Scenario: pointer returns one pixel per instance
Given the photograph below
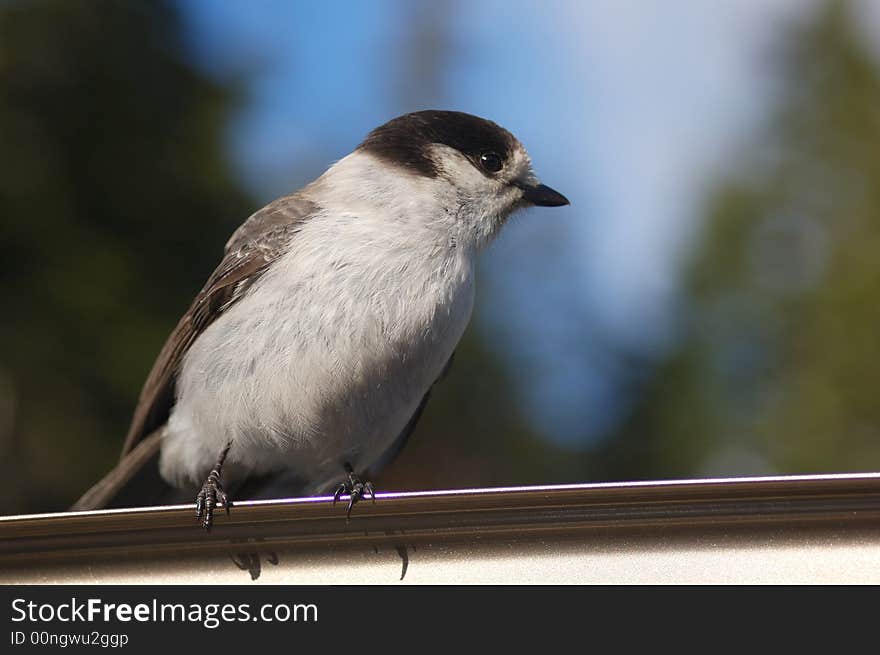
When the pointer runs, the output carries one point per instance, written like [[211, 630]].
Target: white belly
[[324, 361]]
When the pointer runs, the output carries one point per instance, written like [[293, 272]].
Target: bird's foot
[[212, 495], [356, 489]]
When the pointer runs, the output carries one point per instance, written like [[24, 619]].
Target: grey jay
[[305, 361]]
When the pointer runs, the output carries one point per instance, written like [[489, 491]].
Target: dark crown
[[405, 140]]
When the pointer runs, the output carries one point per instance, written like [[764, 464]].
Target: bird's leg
[[212, 494], [355, 488]]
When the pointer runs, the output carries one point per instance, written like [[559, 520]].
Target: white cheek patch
[[479, 202], [462, 173], [521, 166], [459, 170]]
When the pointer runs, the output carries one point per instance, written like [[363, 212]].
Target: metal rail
[[561, 533]]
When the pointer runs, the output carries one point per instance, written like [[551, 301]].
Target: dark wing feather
[[260, 240], [410, 427]]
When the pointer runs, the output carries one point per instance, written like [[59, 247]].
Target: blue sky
[[629, 108]]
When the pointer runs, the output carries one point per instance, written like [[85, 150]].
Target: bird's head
[[477, 171]]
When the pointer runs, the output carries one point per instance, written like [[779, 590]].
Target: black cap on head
[[405, 141]]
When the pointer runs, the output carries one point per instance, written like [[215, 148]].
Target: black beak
[[542, 195]]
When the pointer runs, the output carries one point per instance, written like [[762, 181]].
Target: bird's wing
[[261, 239], [408, 429]]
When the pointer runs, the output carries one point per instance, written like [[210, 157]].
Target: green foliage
[[779, 366], [116, 199]]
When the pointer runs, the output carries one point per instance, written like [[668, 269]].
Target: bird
[[304, 363]]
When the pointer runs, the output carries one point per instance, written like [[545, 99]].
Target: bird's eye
[[491, 162]]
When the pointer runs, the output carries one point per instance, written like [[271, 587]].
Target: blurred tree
[[116, 199], [779, 364]]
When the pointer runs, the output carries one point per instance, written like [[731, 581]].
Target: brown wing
[[410, 427], [260, 240]]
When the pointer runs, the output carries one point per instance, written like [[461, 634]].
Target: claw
[[200, 504], [223, 500], [210, 497], [211, 494], [356, 490], [339, 491]]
